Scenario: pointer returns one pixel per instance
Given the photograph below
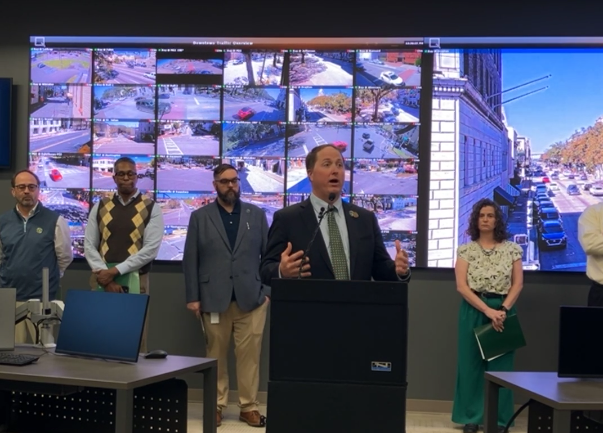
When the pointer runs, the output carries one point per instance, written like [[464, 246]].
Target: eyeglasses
[[31, 187], [126, 173], [225, 182]]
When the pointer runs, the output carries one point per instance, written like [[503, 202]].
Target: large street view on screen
[[532, 144], [565, 146]]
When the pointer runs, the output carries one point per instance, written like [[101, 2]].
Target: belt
[[489, 295]]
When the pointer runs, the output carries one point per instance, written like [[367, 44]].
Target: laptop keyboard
[[17, 358]]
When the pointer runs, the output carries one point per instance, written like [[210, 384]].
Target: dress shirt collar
[[317, 203]]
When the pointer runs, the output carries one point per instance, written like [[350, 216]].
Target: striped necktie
[[338, 258]]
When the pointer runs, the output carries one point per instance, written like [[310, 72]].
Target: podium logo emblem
[[381, 366]]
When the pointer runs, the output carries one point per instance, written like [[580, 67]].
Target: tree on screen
[[249, 65], [339, 102], [248, 92], [269, 67], [245, 134], [584, 148], [176, 127], [302, 68], [554, 153], [372, 98]]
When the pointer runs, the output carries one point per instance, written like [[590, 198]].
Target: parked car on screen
[[552, 235], [573, 189], [246, 113], [389, 77], [55, 175], [341, 145]]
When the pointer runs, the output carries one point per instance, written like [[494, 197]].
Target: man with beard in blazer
[[224, 245], [349, 244]]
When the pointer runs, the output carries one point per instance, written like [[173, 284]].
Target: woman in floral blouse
[[489, 277]]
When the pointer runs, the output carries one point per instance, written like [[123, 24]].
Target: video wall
[[428, 126], [178, 110]]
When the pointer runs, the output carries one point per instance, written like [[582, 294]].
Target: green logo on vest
[[39, 230]]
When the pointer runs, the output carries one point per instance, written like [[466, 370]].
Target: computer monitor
[[580, 352], [103, 325], [8, 304]]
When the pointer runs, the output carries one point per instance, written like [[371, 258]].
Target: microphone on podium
[[321, 216], [331, 200]]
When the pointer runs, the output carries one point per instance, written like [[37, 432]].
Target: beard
[[229, 197]]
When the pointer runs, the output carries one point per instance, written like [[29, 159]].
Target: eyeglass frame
[[30, 186], [129, 173], [226, 182]]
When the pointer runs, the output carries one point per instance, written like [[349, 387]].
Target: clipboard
[[493, 344]]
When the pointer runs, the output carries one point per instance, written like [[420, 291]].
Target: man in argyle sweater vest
[[122, 228], [123, 234]]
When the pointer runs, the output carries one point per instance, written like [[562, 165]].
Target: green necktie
[[338, 259]]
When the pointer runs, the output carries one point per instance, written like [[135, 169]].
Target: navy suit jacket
[[295, 224]]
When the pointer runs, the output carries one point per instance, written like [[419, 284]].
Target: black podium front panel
[[339, 332], [298, 407]]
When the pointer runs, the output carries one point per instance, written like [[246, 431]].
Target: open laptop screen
[[580, 353], [102, 325]]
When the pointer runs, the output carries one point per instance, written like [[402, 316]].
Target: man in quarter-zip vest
[[123, 235], [32, 237]]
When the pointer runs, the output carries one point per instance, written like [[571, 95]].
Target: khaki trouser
[[25, 332], [248, 330], [144, 290]]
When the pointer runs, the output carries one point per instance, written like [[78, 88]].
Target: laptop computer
[[104, 325], [8, 312]]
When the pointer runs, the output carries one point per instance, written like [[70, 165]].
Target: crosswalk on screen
[[180, 106]]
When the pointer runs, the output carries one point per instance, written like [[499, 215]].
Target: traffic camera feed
[[179, 110]]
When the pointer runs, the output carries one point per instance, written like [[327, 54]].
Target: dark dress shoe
[[470, 428]]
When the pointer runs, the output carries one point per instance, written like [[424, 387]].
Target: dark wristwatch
[[503, 308]]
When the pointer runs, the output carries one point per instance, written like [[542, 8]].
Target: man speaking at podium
[[347, 246]]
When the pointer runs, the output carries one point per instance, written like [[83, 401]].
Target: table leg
[[4, 409], [124, 411], [491, 407], [210, 399], [562, 420]]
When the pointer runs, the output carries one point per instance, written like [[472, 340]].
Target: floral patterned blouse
[[490, 270]]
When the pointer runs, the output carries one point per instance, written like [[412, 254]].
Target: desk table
[[563, 395], [67, 371]]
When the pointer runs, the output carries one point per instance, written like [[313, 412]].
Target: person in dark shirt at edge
[[349, 245]]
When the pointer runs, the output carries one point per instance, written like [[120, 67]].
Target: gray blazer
[[212, 269]]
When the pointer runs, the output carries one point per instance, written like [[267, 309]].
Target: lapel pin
[[353, 214]]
